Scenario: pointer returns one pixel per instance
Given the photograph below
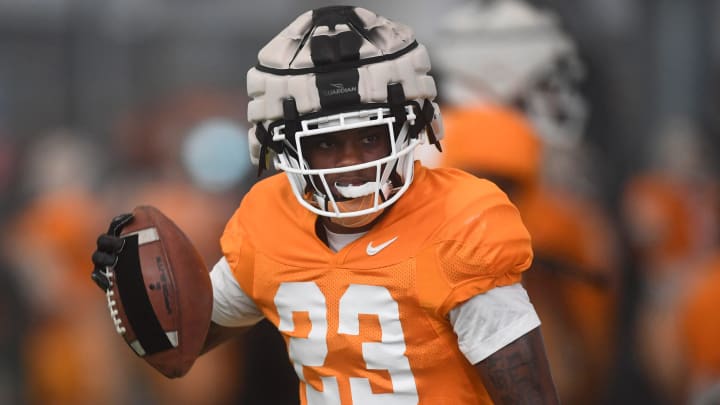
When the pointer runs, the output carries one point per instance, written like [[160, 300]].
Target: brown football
[[160, 297]]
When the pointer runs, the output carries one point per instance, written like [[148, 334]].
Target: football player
[[514, 114], [390, 282], [514, 53]]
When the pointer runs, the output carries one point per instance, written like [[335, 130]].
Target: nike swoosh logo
[[373, 250]]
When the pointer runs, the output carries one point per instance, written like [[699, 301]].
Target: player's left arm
[[499, 332], [519, 373], [487, 248]]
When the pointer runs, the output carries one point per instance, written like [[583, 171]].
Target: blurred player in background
[[514, 115], [47, 243], [699, 331], [671, 211], [192, 144], [391, 283], [69, 193]]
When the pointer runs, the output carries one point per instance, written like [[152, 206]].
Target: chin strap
[[356, 222], [357, 204]]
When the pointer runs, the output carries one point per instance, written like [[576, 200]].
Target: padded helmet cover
[[334, 59]]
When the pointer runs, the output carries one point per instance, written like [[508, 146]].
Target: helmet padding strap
[[396, 101], [425, 119], [265, 139]]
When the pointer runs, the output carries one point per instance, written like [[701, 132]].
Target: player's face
[[347, 148]]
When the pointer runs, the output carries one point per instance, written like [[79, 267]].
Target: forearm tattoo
[[519, 373]]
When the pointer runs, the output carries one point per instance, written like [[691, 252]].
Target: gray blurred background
[[79, 63]]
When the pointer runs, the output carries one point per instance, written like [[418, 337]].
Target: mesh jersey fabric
[[453, 236]]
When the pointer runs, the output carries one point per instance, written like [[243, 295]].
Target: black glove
[[108, 246]]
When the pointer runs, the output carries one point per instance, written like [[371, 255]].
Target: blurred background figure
[[671, 212], [47, 242], [574, 283], [699, 329], [186, 154], [513, 113], [70, 193]]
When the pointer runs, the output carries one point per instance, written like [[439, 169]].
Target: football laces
[[112, 303]]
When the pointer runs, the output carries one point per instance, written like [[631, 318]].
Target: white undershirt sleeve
[[488, 322], [231, 306]]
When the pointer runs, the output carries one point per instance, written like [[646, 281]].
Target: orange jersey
[[700, 321], [368, 324]]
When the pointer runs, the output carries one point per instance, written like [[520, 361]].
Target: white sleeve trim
[[231, 306], [488, 322]]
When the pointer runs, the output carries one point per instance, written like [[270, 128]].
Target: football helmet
[[510, 52], [335, 69], [492, 139]]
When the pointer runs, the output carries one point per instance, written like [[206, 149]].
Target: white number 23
[[388, 354]]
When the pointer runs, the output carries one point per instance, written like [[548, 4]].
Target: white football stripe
[[146, 235]]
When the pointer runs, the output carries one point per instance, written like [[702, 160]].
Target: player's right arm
[[234, 312], [218, 334]]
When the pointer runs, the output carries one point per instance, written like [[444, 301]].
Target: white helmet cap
[[333, 69]]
